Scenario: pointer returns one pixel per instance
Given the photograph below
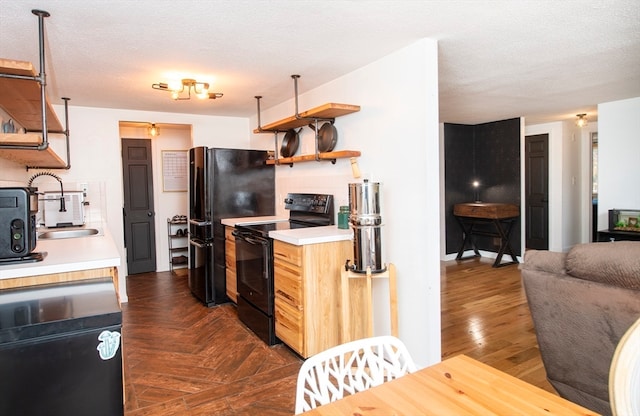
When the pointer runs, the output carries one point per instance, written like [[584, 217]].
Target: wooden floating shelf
[[341, 154], [29, 157], [326, 111], [20, 98]]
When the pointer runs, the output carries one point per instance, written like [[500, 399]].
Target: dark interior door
[[537, 191], [139, 215]]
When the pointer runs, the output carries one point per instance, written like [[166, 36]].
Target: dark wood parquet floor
[[181, 358], [184, 359]]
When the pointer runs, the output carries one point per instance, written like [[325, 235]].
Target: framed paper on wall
[[175, 170]]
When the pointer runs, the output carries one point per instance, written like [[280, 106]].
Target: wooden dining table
[[454, 387]]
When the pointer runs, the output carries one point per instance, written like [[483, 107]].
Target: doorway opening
[[138, 210], [168, 195], [537, 192]]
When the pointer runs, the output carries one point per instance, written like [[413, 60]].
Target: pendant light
[[582, 120], [153, 130]]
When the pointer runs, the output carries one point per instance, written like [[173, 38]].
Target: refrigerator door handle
[[199, 223]]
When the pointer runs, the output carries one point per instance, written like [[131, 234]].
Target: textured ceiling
[[545, 60]]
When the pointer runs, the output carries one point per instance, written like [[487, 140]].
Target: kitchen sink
[[73, 233]]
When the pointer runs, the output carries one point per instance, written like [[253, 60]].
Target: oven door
[[254, 268]]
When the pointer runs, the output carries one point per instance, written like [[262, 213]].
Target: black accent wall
[[490, 154]]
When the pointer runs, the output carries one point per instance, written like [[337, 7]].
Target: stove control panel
[[317, 203]]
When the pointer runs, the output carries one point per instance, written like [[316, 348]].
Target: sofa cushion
[[616, 263]]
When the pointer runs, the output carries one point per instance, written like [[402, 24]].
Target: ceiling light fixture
[[183, 89], [153, 130], [582, 120]]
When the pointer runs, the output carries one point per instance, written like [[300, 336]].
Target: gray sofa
[[582, 302]]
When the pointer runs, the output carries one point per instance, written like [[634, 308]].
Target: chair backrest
[[349, 368], [624, 377]]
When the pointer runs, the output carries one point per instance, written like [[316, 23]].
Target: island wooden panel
[[231, 274], [307, 294]]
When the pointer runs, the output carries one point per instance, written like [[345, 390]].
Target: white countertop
[[312, 235], [232, 222], [67, 255]]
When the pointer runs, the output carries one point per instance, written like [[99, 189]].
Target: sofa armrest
[[546, 261]]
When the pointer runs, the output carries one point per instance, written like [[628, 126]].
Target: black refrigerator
[[223, 183], [60, 350]]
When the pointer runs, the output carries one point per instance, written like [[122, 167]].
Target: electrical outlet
[[85, 188]]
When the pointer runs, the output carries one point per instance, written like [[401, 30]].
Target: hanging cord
[[53, 175]]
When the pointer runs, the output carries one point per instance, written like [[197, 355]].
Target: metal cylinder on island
[[366, 221]]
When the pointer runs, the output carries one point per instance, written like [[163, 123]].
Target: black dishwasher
[[60, 350]]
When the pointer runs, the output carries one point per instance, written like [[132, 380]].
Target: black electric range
[[254, 259]]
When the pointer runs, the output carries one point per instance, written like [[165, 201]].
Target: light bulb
[[203, 93], [154, 131], [175, 85]]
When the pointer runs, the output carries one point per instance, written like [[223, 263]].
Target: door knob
[[149, 214]]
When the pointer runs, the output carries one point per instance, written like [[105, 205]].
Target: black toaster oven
[[18, 208]]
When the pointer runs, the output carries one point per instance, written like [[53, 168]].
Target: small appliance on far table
[[254, 259]]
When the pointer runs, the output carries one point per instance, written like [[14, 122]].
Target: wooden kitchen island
[[471, 217], [307, 282]]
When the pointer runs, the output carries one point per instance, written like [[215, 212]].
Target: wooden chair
[[349, 368], [624, 377]]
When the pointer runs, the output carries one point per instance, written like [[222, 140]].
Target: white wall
[[618, 157], [571, 185], [397, 132]]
